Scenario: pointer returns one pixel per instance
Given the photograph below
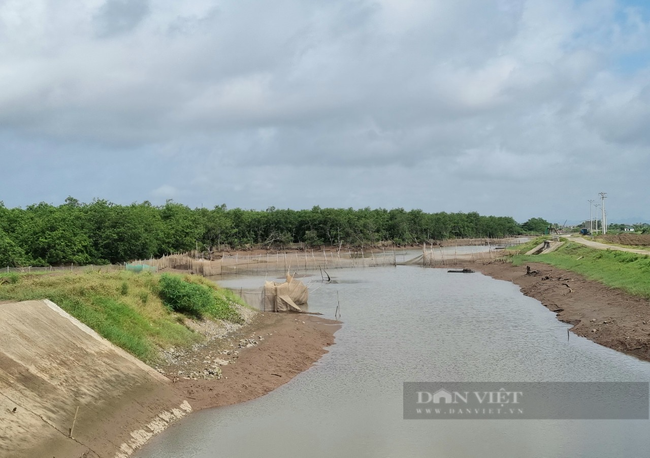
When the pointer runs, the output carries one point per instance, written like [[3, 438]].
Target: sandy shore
[[607, 316]]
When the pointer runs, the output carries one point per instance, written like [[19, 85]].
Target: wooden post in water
[[337, 313], [490, 249]]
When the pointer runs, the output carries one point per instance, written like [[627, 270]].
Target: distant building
[[628, 229]]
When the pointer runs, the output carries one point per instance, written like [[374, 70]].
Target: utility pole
[[603, 218], [591, 220], [596, 218]]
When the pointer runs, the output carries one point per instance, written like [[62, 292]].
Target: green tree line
[[103, 232]]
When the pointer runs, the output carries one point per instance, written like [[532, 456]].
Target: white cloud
[[481, 91], [167, 192]]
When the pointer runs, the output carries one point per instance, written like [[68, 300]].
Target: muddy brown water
[[413, 324]]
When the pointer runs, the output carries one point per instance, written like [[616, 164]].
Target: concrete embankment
[[58, 375]]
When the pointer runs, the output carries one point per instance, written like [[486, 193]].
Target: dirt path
[[604, 246], [607, 316]]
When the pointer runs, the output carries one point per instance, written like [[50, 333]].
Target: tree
[[121, 234], [181, 229], [536, 225], [101, 232], [11, 255], [55, 236]]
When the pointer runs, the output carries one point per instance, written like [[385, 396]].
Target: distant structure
[[603, 218]]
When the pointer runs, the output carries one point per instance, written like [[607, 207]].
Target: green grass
[[123, 307], [617, 269]]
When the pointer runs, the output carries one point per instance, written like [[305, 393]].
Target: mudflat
[[260, 357], [607, 316]]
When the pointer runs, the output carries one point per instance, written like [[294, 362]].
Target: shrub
[[11, 278], [183, 297], [222, 308]]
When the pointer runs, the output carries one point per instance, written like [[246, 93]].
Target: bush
[[11, 278], [183, 297], [222, 308]]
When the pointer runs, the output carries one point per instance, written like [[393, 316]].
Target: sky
[[523, 108]]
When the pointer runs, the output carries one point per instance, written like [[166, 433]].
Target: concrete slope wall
[[52, 367]]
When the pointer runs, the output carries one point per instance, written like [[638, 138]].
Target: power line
[[603, 218], [591, 219]]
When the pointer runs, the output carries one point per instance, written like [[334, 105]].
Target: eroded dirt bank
[[607, 316], [243, 365], [259, 357]]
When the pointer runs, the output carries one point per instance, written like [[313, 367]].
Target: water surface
[[413, 324]]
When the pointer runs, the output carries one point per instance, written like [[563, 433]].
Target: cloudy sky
[[508, 107]]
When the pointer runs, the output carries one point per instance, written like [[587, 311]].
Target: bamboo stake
[[74, 421]]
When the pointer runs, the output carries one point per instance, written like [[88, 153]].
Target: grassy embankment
[[139, 312], [617, 269]]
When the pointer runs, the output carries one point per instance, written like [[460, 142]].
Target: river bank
[[250, 362], [253, 361], [607, 316], [67, 392]]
